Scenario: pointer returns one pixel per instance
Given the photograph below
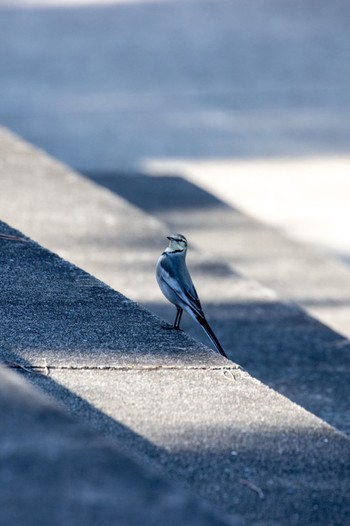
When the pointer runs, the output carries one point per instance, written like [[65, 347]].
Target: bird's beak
[[169, 237]]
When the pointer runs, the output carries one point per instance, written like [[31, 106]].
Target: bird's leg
[[178, 318], [176, 325]]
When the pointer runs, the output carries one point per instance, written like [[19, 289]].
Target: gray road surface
[[166, 400], [104, 87]]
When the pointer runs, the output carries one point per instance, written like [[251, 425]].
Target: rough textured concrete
[[275, 341], [55, 472], [68, 306], [249, 451], [237, 443]]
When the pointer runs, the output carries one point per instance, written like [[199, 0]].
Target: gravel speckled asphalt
[[54, 471], [167, 400]]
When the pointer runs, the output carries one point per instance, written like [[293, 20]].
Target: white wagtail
[[176, 284]]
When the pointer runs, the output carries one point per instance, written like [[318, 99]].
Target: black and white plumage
[[176, 284]]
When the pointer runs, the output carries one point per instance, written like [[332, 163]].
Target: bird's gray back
[[175, 280]]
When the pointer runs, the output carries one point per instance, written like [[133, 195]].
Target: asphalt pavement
[[162, 398], [171, 403], [55, 471], [274, 340]]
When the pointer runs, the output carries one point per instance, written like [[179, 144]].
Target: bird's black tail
[[207, 329]]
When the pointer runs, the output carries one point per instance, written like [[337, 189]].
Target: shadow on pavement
[[274, 341], [286, 466], [158, 194], [257, 475], [284, 348]]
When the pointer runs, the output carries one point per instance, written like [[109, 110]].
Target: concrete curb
[[250, 452], [55, 472]]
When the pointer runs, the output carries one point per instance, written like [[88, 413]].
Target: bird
[[177, 286]]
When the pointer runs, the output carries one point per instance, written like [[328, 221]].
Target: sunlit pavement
[[305, 198]]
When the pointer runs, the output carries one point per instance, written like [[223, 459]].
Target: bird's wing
[[179, 280]]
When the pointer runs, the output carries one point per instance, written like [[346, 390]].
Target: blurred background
[[172, 104]]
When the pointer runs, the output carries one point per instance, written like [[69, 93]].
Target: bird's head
[[177, 243]]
